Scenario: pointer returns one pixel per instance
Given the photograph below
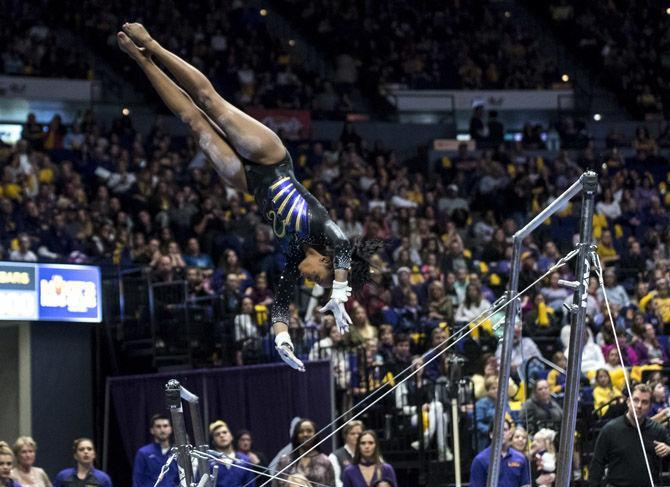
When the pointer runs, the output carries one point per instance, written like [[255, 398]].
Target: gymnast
[[250, 157]]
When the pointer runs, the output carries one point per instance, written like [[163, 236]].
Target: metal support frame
[[587, 183], [173, 398], [174, 394], [578, 312]]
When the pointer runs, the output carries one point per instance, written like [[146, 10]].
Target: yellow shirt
[[645, 300], [603, 395], [12, 191], [480, 388], [663, 308], [606, 252], [46, 175], [552, 377]]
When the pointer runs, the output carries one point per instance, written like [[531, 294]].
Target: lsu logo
[[278, 225], [76, 296]]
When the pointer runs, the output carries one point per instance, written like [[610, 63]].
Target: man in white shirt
[[523, 348], [23, 253]]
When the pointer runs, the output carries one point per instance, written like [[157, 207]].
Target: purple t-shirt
[[352, 476]]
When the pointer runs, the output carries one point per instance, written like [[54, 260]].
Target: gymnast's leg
[[226, 162], [250, 138]]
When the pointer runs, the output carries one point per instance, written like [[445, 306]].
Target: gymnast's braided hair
[[362, 251]]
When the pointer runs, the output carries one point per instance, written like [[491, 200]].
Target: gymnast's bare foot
[[129, 47], [138, 34]]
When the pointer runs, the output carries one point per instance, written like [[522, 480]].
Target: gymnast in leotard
[[250, 157]]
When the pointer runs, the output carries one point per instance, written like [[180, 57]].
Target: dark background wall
[[9, 382], [62, 390]]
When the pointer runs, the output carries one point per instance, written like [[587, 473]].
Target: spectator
[[259, 292], [402, 355], [618, 454], [326, 347], [232, 265], [194, 257], [315, 466], [519, 439], [361, 329], [523, 349], [174, 252], [197, 286], [25, 472], [367, 464], [344, 456], [439, 305], [6, 465], [540, 410], [514, 468], [23, 252], [604, 392], [616, 294], [607, 252], [490, 368], [659, 402], [556, 379], [230, 296], [386, 342], [541, 319], [592, 355], [84, 472], [400, 292], [473, 307], [613, 366], [661, 302], [150, 458], [244, 446], [164, 272], [246, 334], [349, 225], [286, 449], [554, 294], [543, 453], [451, 201], [438, 342], [222, 441], [485, 411], [647, 346], [608, 206]]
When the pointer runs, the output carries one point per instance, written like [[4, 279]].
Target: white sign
[[29, 88], [501, 100], [18, 305]]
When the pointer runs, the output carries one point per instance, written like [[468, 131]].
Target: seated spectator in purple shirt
[[367, 466], [647, 347], [84, 473]]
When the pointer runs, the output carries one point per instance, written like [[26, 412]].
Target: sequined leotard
[[298, 220]]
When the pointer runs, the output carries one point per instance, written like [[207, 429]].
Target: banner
[[50, 292], [293, 124], [30, 88], [501, 100]]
